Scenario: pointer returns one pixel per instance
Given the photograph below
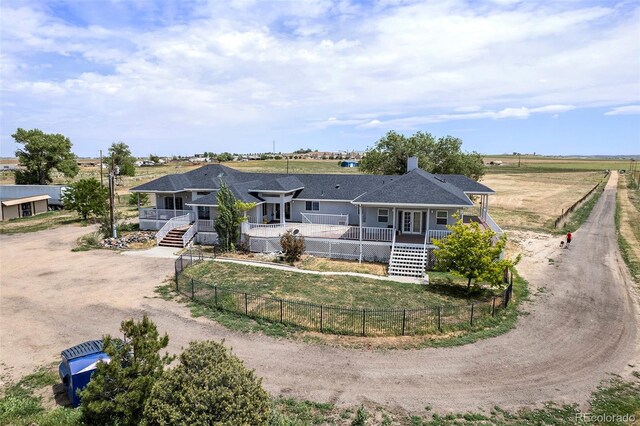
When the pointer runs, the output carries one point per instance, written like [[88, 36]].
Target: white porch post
[[360, 231], [174, 204], [486, 206], [282, 209], [426, 230], [395, 222]]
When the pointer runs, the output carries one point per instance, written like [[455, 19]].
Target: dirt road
[[581, 326]]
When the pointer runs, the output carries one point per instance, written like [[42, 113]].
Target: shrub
[[118, 390], [292, 246], [210, 386]]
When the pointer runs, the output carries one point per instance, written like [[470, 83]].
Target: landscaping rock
[[124, 241]]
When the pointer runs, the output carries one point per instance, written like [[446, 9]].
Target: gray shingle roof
[[415, 187], [465, 183]]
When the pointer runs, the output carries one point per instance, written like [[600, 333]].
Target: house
[[391, 218]]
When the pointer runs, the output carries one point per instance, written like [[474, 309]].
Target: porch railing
[[206, 225], [172, 223], [369, 233], [325, 219], [493, 225], [164, 214], [188, 235], [322, 231], [438, 234]]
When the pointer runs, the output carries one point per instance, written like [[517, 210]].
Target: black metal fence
[[341, 320]]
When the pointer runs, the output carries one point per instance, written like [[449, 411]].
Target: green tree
[[444, 155], [230, 216], [133, 199], [118, 390], [224, 156], [473, 253], [154, 158], [43, 152], [86, 196], [121, 155], [210, 386]]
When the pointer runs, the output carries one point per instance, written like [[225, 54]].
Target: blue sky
[[177, 77]]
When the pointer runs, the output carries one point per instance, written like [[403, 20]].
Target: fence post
[[363, 321], [439, 321], [493, 306], [215, 295], [246, 305], [281, 311], [175, 267], [192, 290], [404, 319], [472, 315], [321, 315]]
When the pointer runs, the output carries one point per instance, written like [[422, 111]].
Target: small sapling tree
[[472, 253], [231, 213], [86, 196]]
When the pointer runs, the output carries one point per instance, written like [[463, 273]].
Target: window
[[383, 215], [168, 203], [312, 206], [203, 213], [442, 217]]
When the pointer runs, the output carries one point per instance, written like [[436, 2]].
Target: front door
[[287, 211], [411, 222]]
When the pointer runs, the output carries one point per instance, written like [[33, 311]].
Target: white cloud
[[624, 110], [290, 64]]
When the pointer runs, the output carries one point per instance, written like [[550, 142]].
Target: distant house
[[392, 218]]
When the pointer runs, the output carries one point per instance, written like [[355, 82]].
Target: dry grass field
[[628, 221], [534, 200]]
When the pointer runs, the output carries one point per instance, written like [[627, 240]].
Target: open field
[[534, 200], [628, 223], [529, 163]]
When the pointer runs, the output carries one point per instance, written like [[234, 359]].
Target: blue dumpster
[[77, 366]]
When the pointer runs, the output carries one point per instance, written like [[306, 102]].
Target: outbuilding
[[13, 208]]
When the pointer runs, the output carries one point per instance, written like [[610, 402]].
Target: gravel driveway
[[581, 327]]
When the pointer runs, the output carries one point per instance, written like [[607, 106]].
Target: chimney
[[412, 163]]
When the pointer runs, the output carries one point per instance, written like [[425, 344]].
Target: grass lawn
[[344, 291]]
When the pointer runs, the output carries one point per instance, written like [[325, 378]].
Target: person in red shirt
[[568, 239]]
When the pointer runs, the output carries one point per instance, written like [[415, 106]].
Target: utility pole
[[518, 160], [287, 165], [111, 199], [101, 183]]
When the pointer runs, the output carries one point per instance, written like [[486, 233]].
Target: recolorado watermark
[[605, 418]]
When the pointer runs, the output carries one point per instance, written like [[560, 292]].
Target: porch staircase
[[407, 260], [174, 237]]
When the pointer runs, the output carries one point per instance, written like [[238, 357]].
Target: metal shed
[[77, 366]]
